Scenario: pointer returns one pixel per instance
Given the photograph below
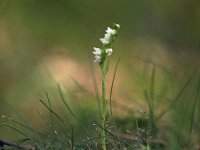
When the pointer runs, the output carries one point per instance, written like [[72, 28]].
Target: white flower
[[107, 37], [105, 40], [97, 51], [97, 59], [110, 31], [117, 25], [109, 51], [110, 34]]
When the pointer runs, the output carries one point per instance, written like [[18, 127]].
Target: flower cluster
[[101, 53]]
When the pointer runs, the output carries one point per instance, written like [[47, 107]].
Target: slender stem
[[104, 108]]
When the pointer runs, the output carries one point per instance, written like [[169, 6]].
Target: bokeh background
[[46, 42]]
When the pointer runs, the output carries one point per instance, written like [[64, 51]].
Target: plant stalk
[[104, 109]]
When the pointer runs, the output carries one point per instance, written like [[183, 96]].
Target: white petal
[[105, 41], [110, 31], [109, 51], [117, 25], [97, 51], [97, 59], [107, 36]]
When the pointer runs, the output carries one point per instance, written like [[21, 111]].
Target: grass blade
[[54, 113], [71, 112], [111, 112], [194, 107], [22, 133], [172, 104]]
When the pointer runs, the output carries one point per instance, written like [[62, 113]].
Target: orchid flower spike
[[110, 34]]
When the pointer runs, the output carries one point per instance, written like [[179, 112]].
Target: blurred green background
[[45, 42]]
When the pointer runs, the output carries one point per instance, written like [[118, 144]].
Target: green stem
[[104, 108]]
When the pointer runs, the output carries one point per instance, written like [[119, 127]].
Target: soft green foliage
[[155, 102], [173, 127]]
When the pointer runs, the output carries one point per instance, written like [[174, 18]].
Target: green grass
[[166, 117], [155, 107], [174, 127]]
